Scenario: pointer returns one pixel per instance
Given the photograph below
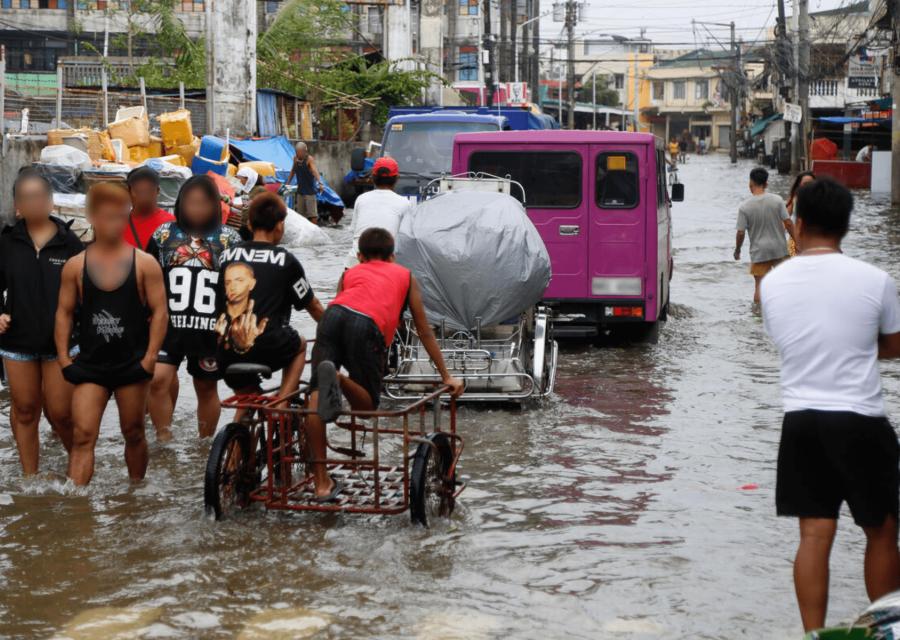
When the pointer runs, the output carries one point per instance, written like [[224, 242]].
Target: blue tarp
[[279, 151], [266, 114], [848, 120]]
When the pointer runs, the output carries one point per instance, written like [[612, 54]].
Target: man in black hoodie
[[32, 255], [189, 250]]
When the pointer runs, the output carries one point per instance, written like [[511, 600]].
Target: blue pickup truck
[[420, 139]]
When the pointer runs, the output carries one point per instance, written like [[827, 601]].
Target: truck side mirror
[[358, 159], [678, 192]]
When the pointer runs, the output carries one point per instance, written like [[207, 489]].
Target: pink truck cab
[[600, 200]]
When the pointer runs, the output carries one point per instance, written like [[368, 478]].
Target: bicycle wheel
[[225, 484], [430, 487]]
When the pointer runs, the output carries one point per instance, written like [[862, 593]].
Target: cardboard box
[[175, 159], [134, 132], [187, 151], [139, 153]]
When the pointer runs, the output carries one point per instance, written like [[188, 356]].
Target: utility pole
[[635, 90], [513, 31], [488, 46], [783, 62], [895, 94], [503, 44], [536, 51], [571, 18], [735, 95], [803, 80]]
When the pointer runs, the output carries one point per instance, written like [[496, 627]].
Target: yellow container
[[186, 151], [156, 147], [175, 159], [139, 153], [231, 171], [176, 128], [135, 132], [106, 149], [263, 168]]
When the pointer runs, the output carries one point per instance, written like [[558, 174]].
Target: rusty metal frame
[[296, 494]]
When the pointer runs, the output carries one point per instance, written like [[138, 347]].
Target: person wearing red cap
[[380, 208]]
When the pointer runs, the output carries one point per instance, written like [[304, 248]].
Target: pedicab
[[413, 451], [482, 269]]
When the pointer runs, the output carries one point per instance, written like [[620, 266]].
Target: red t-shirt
[[376, 289], [144, 226]]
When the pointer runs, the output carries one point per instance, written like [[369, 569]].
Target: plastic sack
[[64, 155], [475, 255], [62, 178], [300, 232]]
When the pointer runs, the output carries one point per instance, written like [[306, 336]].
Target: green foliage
[[302, 53], [605, 96]]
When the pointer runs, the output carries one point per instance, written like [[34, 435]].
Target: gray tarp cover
[[475, 254]]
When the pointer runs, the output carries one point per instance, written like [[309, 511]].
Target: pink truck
[[601, 202]]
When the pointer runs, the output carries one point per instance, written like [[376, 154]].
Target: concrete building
[[687, 94]]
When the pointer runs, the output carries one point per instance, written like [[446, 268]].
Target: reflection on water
[[614, 509]]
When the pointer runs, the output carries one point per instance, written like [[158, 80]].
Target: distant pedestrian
[[865, 154], [380, 208], [765, 219], [831, 318], [309, 183], [146, 215], [802, 179]]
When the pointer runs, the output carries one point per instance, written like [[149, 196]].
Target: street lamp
[[516, 48]]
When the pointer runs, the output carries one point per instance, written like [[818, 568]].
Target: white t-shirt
[[824, 313], [377, 208], [864, 154]]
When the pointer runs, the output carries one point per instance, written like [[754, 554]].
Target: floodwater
[[613, 510]]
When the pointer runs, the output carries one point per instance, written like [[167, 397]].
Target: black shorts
[[353, 341], [201, 359], [111, 377], [827, 457], [275, 348]]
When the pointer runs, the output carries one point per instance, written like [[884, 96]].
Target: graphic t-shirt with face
[[190, 265], [260, 283]]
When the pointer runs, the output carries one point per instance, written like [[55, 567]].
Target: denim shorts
[[34, 357]]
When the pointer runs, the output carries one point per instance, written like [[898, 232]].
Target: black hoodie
[[30, 281]]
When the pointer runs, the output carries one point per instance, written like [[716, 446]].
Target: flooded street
[[614, 509]]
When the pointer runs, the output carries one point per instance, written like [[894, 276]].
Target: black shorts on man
[[827, 458], [351, 340]]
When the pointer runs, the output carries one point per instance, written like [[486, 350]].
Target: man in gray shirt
[[764, 216]]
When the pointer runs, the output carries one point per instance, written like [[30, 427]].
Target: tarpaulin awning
[[759, 126], [279, 151], [851, 119]]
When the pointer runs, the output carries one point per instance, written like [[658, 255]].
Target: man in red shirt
[[146, 216]]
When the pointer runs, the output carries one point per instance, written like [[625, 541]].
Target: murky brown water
[[613, 510]]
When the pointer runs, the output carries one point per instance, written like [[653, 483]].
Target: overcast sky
[[668, 22]]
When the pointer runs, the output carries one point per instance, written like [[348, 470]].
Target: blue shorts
[[34, 357]]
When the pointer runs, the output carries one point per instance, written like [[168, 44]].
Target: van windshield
[[427, 147]]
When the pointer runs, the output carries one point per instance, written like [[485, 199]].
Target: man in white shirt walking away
[[380, 208], [764, 217], [831, 318]]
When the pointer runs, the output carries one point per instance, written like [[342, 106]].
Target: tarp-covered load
[[475, 255]]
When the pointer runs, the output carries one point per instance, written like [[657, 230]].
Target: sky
[[668, 22]]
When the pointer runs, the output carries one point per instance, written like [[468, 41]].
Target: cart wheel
[[225, 485], [430, 488]]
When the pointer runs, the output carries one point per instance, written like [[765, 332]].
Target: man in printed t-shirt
[[260, 284], [189, 251]]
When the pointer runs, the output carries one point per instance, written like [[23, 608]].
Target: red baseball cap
[[385, 166]]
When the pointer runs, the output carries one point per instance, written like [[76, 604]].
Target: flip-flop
[[336, 488], [329, 392]]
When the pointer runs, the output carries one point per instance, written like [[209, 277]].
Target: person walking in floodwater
[[765, 219], [802, 179], [121, 301], [831, 318], [309, 183], [32, 255]]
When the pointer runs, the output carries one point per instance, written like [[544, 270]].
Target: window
[[619, 81], [468, 65], [678, 90], [551, 179], [373, 20], [659, 90], [701, 89], [617, 180], [468, 7]]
